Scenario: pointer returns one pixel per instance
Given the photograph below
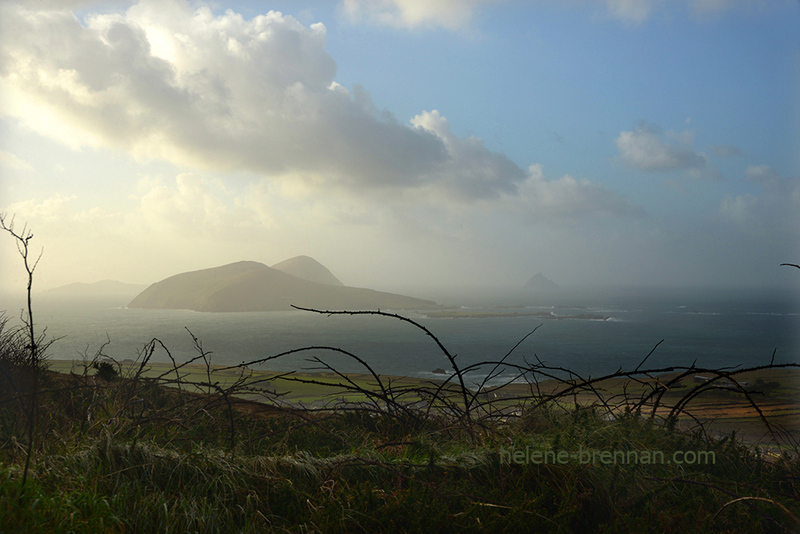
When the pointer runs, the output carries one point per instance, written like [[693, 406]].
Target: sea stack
[[540, 282]]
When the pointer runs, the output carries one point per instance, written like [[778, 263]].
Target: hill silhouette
[[252, 286], [97, 289], [308, 269]]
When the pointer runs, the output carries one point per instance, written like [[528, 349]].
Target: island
[[249, 286]]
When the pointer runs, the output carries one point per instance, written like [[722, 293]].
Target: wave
[[694, 312], [772, 314]]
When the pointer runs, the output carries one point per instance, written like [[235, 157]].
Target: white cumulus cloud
[[221, 92]]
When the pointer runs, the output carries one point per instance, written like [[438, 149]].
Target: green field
[[199, 448], [723, 411]]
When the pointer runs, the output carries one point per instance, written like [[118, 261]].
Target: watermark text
[[537, 456]]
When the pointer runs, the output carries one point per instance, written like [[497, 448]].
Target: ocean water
[[590, 333]]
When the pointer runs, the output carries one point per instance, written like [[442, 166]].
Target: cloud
[[470, 170], [647, 148], [737, 208], [218, 92], [636, 12], [771, 213], [190, 209], [726, 151], [705, 8], [11, 161], [450, 14], [70, 4], [221, 92], [49, 210], [458, 14], [765, 176], [566, 197], [630, 11]]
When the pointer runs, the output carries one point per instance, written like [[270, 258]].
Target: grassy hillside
[[145, 447]]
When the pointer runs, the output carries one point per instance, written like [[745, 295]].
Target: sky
[[404, 142]]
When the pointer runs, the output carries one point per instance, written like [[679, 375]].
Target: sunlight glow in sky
[[405, 142]]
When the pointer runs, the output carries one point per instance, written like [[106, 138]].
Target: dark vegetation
[[116, 447]]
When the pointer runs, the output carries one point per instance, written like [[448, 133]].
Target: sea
[[587, 331]]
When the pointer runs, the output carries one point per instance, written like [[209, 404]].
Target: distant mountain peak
[[540, 282], [307, 268]]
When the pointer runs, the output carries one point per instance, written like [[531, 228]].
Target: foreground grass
[[133, 456]]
